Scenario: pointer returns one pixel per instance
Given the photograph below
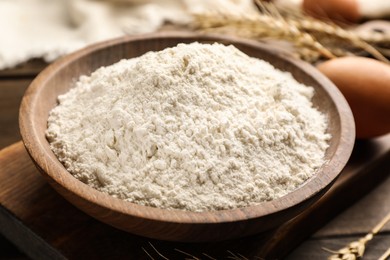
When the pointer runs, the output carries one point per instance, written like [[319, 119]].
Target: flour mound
[[195, 127]]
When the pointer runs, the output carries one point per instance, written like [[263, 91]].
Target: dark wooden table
[[361, 195]]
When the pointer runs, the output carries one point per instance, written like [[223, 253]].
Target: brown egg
[[344, 11], [365, 83]]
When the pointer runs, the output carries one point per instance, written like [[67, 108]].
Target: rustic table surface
[[35, 222]]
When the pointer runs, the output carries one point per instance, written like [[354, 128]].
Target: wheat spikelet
[[324, 29], [311, 38], [328, 30], [258, 27]]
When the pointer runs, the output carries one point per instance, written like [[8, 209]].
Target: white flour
[[195, 127]]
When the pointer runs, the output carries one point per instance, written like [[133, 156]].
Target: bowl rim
[[35, 142]]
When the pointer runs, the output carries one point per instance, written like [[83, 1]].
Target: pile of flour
[[194, 127]]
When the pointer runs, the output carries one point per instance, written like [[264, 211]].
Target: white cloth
[[49, 29]]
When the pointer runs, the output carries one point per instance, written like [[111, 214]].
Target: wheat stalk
[[375, 38], [311, 38], [326, 30], [332, 32], [355, 250], [258, 27], [385, 255]]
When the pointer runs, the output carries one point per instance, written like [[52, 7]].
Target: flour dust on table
[[195, 127]]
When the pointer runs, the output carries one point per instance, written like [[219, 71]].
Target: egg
[[335, 10], [365, 83]]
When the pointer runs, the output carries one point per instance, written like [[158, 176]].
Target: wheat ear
[[355, 250], [333, 30], [259, 26]]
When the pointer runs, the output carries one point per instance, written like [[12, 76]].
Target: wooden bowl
[[177, 225]]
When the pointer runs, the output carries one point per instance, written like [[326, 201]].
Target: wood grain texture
[[45, 226], [11, 93], [12, 87], [313, 249], [27, 69], [360, 218], [175, 224]]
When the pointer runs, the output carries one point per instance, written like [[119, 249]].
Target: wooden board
[[45, 226], [314, 248], [11, 92], [29, 69], [350, 225]]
